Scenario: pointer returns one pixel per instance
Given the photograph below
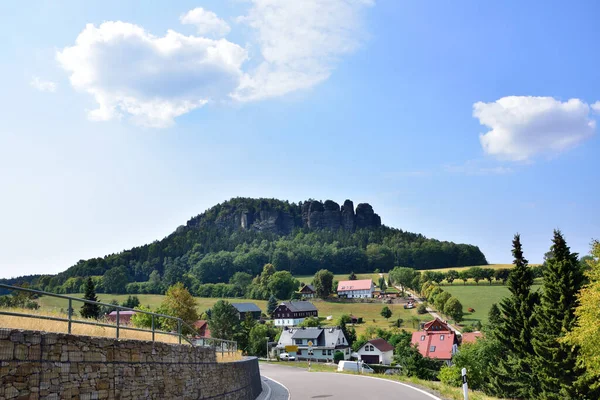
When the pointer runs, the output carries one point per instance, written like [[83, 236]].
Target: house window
[[422, 337], [328, 352], [324, 352], [441, 337], [431, 349]]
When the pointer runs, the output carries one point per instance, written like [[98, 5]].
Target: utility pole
[[267, 348], [465, 385]]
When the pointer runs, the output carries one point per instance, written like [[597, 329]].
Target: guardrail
[[216, 344]]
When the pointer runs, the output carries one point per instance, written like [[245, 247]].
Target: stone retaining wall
[[39, 365]]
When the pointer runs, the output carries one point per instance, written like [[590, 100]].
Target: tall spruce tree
[[555, 362], [90, 310], [513, 375], [271, 306]]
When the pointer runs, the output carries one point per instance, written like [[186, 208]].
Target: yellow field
[[493, 266], [35, 324]]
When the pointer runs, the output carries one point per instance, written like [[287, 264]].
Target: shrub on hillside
[[421, 309]]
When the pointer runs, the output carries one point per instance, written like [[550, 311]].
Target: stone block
[[6, 350]]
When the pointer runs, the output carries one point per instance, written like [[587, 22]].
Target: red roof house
[[124, 317], [202, 327], [356, 289], [436, 340]]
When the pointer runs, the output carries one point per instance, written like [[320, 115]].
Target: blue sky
[[466, 122]]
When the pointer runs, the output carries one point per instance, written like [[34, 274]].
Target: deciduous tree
[[323, 282]]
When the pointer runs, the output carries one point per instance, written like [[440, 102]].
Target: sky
[[464, 121]]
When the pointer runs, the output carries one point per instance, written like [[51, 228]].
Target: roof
[[434, 344], [307, 333], [200, 324], [363, 284], [246, 307], [471, 337], [299, 306], [309, 287], [321, 337], [436, 325], [122, 313], [381, 345]]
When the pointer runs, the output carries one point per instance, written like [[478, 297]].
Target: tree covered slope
[[243, 234]]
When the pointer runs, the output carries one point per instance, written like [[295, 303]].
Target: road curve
[[302, 384]]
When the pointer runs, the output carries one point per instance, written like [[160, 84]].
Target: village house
[[247, 308], [325, 342], [308, 291], [292, 313], [356, 289], [436, 340], [376, 351], [124, 317], [202, 328]]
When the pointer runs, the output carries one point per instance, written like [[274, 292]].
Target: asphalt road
[[302, 384]]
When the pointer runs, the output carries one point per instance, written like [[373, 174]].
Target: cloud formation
[[151, 79], [522, 127], [300, 43], [42, 85], [206, 22]]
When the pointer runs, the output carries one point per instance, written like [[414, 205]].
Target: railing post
[[179, 329], [117, 323], [153, 327], [70, 314]]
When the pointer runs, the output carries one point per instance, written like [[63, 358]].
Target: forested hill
[[243, 234]]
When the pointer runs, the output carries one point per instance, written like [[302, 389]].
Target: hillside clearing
[[480, 298]]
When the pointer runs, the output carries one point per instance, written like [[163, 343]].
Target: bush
[[338, 356], [422, 309], [450, 376]]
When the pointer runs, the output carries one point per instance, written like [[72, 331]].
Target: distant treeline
[[206, 252]]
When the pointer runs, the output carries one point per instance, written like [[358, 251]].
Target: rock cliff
[[258, 215]]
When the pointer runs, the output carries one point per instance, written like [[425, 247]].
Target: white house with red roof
[[376, 351], [362, 288], [436, 340]]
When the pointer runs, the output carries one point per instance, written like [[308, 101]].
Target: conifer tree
[[271, 305], [513, 373], [555, 362], [90, 310]]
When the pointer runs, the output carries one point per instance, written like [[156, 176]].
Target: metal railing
[[214, 343]]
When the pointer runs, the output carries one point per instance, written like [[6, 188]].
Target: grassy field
[[479, 297], [77, 329], [151, 300], [370, 312]]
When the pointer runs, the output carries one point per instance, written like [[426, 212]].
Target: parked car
[[409, 305], [286, 357], [354, 366]]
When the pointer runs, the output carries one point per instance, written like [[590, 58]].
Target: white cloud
[[42, 85], [206, 22], [153, 79], [525, 126], [300, 43], [596, 106]]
